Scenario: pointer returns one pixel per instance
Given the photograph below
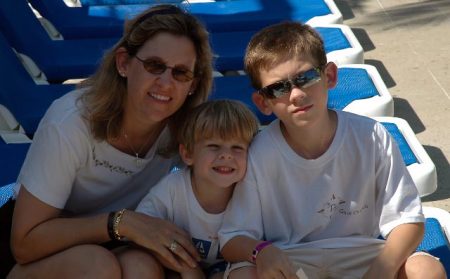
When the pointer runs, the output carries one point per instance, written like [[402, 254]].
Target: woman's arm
[[38, 231]]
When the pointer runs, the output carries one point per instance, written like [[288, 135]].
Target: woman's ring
[[173, 246]]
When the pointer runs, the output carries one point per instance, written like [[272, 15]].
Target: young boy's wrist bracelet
[[259, 248]]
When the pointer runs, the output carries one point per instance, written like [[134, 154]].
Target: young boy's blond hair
[[282, 42], [226, 119]]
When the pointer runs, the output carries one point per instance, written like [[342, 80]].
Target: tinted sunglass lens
[[276, 90], [155, 67], [182, 74], [281, 89], [307, 79]]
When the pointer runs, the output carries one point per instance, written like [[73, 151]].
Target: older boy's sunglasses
[[157, 67], [282, 87]]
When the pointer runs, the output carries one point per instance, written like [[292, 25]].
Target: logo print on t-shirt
[[331, 206], [202, 246]]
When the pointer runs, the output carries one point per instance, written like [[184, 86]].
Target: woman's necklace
[[137, 160]]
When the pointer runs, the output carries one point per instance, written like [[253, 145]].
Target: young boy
[[213, 144], [321, 185]]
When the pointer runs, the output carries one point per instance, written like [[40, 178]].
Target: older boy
[[321, 185]]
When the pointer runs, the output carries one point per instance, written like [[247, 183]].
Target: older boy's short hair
[[226, 119], [279, 43]]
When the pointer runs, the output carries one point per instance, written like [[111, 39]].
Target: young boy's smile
[[218, 162]]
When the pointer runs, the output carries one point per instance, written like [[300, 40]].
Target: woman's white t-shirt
[[68, 169]]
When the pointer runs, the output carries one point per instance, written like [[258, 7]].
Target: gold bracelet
[[117, 218]]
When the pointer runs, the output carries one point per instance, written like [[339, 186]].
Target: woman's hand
[[273, 263], [161, 237]]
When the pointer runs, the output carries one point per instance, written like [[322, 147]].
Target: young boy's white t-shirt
[[68, 169], [358, 189], [173, 199]]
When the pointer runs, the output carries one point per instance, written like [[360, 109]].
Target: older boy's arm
[[400, 244], [270, 262], [239, 249]]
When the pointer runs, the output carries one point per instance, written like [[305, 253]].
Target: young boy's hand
[[273, 263]]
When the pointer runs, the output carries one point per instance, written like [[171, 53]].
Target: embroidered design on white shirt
[[108, 165], [331, 206]]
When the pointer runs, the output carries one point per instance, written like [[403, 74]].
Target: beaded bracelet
[[114, 219], [117, 218]]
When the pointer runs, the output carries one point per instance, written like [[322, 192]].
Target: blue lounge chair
[[437, 235], [66, 59], [243, 15], [26, 100], [340, 43], [61, 59]]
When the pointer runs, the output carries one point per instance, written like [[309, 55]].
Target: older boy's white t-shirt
[[356, 190], [172, 199], [68, 169]]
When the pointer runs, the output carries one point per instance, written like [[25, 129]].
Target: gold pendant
[[138, 161]]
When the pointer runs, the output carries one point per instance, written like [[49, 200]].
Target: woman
[[98, 148]]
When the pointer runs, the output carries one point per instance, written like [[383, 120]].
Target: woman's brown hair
[[106, 90]]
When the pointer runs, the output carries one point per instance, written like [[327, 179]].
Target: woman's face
[[152, 97]]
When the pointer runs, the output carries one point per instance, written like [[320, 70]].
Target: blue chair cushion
[[353, 84], [435, 242], [6, 193], [405, 149]]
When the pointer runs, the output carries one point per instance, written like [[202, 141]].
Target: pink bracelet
[[259, 248]]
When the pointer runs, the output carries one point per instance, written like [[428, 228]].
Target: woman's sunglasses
[[282, 87], [157, 67]]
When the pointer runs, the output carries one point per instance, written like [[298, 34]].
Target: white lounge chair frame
[[424, 171]]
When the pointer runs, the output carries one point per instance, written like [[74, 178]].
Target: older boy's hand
[[273, 263]]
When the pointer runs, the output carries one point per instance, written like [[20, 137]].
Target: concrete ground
[[408, 41]]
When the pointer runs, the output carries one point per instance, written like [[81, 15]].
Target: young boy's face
[[301, 106], [217, 162]]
